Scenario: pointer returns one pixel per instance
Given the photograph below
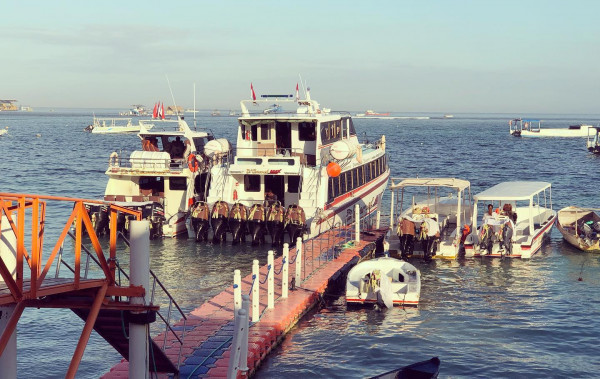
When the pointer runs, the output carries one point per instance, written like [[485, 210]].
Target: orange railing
[[34, 206]]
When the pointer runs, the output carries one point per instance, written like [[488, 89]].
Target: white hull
[[403, 278], [557, 132]]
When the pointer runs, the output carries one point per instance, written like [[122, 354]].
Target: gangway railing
[[26, 275]]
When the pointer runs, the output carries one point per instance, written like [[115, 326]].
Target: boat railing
[[138, 161]]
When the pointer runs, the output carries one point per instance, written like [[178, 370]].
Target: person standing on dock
[[406, 234]]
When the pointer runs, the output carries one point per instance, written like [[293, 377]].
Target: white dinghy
[[385, 281]]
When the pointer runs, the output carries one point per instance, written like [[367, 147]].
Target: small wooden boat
[[580, 227], [420, 370]]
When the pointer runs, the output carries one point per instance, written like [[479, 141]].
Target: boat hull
[[567, 218], [518, 250]]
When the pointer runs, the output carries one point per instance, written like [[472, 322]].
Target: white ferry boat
[[533, 128], [163, 178], [522, 219], [306, 161], [117, 125]]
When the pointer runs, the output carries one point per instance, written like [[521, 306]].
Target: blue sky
[[405, 56]]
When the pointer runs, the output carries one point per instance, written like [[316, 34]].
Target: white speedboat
[[117, 125], [446, 201], [517, 228], [3, 131], [386, 281], [163, 179], [593, 140], [302, 158], [532, 128]]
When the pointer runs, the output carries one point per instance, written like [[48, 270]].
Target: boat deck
[[210, 327]]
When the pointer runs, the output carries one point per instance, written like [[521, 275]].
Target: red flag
[[155, 111], [162, 110], [297, 93], [252, 92]]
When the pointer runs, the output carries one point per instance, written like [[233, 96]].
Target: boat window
[[254, 161], [252, 183], [352, 130], [177, 184], [344, 128], [265, 132], [306, 131], [280, 161], [254, 132], [367, 168], [330, 190], [151, 185], [293, 183]]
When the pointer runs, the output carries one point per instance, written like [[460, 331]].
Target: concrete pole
[[285, 271], [271, 281], [139, 259], [237, 291], [298, 260], [8, 254], [377, 218], [244, 351], [357, 223], [255, 291]]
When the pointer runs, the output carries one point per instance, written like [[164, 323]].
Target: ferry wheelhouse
[[307, 159], [163, 179]]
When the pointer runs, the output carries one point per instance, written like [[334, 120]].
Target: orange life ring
[[193, 163]]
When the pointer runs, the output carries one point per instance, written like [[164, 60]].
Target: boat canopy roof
[[512, 191], [459, 184]]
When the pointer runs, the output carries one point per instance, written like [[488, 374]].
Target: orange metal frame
[[25, 294]]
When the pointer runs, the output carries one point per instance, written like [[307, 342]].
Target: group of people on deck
[[176, 148], [505, 224], [427, 232]]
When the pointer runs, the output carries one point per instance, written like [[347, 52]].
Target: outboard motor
[[256, 223], [486, 238], [295, 222], [506, 233], [237, 222], [275, 224], [218, 218], [155, 214], [99, 217], [200, 220]]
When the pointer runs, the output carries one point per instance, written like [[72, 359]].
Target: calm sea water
[[487, 318]]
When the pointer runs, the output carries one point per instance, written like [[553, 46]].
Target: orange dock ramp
[[210, 327]]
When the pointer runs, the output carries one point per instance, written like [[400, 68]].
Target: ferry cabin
[[287, 154], [167, 171]]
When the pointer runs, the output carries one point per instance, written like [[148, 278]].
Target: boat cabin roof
[[459, 184], [169, 128], [512, 191]]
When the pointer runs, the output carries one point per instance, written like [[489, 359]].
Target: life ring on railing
[[113, 161], [193, 163]]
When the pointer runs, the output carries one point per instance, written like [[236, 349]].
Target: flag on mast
[[297, 93], [252, 92], [155, 111], [162, 111]]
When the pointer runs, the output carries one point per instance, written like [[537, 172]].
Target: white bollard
[[377, 218], [8, 254], [392, 212], [244, 352], [255, 291], [271, 281], [357, 222], [139, 266], [298, 260], [237, 291], [285, 271], [241, 324]]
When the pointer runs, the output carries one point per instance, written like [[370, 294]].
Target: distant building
[[171, 110], [8, 105]]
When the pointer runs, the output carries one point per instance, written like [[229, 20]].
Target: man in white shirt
[[489, 214], [433, 236]]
